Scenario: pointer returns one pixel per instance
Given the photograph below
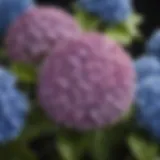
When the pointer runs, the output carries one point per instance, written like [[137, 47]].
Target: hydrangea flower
[[113, 11], [146, 66], [153, 44], [88, 83], [7, 79], [13, 107], [33, 35], [148, 105], [10, 10]]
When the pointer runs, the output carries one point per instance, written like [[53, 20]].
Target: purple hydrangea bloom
[[13, 107], [153, 44], [33, 35], [113, 11], [88, 83], [148, 105], [10, 10], [146, 66]]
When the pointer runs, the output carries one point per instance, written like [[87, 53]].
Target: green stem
[[98, 146]]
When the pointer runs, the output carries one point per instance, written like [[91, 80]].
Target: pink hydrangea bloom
[[88, 83], [33, 35]]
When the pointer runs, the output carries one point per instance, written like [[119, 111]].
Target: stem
[[98, 147]]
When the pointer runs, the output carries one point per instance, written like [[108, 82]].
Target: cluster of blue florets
[[13, 107], [147, 66], [10, 10], [14, 104], [148, 86], [112, 11], [153, 44]]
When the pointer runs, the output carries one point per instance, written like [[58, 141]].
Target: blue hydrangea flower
[[10, 10], [148, 105], [7, 79], [13, 107], [113, 11], [146, 66], [153, 44]]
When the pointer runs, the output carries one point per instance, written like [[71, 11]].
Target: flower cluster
[[14, 107], [148, 106], [153, 44], [74, 88], [44, 27], [85, 80], [148, 91], [88, 83], [146, 66], [112, 11]]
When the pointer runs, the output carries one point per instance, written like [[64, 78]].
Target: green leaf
[[71, 144], [4, 60], [25, 72], [16, 151], [3, 55], [119, 35], [142, 149], [86, 20], [37, 123], [114, 139], [132, 23], [125, 32], [66, 149]]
